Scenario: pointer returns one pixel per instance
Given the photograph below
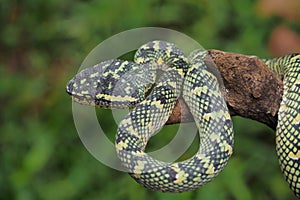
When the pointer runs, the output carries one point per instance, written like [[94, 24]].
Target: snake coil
[[122, 84]]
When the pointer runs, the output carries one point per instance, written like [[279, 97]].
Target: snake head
[[111, 84], [83, 86]]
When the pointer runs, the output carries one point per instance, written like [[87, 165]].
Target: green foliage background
[[42, 45]]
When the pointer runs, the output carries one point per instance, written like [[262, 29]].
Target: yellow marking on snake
[[83, 81], [139, 60], [296, 120], [214, 137], [94, 75], [121, 145], [294, 156], [160, 61], [293, 59], [180, 176], [139, 168], [210, 169]]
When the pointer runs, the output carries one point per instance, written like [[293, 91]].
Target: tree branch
[[252, 90]]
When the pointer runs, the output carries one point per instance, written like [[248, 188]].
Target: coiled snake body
[[122, 84], [288, 127]]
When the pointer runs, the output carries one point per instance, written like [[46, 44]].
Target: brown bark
[[251, 90]]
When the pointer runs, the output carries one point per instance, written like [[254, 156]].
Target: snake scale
[[122, 84]]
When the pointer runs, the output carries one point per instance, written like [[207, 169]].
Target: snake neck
[[284, 66]]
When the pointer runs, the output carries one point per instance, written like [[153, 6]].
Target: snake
[[288, 126], [152, 83]]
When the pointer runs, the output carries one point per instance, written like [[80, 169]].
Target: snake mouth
[[83, 101], [81, 97]]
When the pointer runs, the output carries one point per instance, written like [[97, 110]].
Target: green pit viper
[[122, 84]]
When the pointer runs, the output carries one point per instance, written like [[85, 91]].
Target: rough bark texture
[[251, 90]]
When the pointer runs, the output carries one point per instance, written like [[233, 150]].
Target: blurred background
[[43, 43]]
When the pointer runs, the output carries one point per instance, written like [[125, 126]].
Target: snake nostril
[[70, 87]]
